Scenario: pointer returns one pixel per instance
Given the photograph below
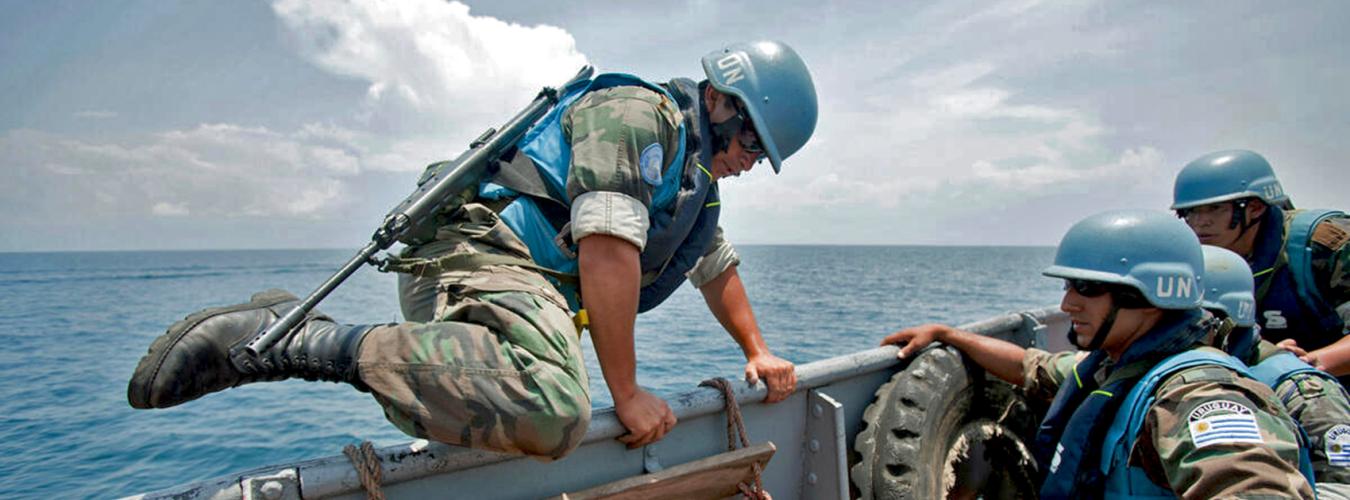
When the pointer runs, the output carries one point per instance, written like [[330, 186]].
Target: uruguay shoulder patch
[[1223, 422], [650, 162], [1337, 443]]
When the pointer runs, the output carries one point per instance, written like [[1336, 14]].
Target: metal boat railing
[[830, 398]]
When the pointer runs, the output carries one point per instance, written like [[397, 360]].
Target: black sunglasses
[[1086, 288], [748, 138]]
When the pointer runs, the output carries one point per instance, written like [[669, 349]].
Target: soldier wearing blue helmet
[[1144, 410], [1300, 258], [1315, 399], [612, 197]]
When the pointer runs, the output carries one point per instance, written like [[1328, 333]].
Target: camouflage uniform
[[1330, 260], [493, 360], [1320, 406], [1334, 235], [609, 130], [1165, 449]]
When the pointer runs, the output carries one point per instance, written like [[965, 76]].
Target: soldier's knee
[[574, 425], [559, 427]]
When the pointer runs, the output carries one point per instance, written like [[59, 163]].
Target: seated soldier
[[1300, 258], [1314, 398], [1148, 411]]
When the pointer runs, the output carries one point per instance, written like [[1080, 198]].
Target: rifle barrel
[[424, 203]]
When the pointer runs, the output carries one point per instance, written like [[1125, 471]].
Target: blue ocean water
[[73, 326]]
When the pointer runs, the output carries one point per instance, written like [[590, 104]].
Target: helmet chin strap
[[1102, 332], [1240, 218]]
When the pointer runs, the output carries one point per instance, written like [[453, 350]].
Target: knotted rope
[[736, 427], [367, 465]]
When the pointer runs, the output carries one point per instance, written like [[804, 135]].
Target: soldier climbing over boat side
[[1300, 258], [616, 186], [1146, 410]]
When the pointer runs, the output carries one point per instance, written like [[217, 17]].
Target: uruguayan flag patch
[[651, 161], [1223, 422], [1337, 443]]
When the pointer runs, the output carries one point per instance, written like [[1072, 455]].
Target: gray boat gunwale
[[851, 378]]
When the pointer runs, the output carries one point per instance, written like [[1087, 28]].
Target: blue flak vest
[[683, 212], [1126, 481], [1292, 305], [1277, 368]]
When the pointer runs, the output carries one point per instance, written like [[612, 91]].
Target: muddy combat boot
[[192, 359]]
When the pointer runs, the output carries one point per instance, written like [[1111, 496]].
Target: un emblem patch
[[1337, 442], [650, 162]]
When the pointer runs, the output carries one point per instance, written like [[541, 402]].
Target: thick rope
[[367, 465], [736, 427]]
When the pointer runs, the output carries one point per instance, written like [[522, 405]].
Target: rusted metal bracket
[[283, 485]]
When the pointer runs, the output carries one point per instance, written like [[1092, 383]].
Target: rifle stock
[[448, 186]]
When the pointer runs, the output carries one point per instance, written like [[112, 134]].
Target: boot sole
[[142, 380]]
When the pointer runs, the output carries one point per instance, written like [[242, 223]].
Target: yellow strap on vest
[[581, 320]]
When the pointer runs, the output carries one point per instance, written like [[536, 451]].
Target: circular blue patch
[[650, 162]]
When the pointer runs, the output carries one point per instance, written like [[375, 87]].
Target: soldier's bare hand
[[1292, 346], [778, 373], [911, 340], [1307, 357], [647, 418]]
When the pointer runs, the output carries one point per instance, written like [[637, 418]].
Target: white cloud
[[96, 114], [949, 116], [1134, 166], [970, 103], [212, 170], [427, 62], [166, 209], [432, 55], [963, 122]]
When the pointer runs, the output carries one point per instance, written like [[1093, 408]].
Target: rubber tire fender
[[924, 417]]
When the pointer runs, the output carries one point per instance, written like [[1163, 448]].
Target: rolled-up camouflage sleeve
[[1334, 263], [1212, 434], [616, 133], [719, 257], [1321, 407], [1042, 372]]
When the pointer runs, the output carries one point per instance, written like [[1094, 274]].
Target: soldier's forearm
[[729, 303], [1003, 359], [1335, 358], [610, 280]]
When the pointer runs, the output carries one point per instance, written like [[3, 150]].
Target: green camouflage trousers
[[489, 359]]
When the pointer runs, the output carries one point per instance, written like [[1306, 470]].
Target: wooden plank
[[712, 477]]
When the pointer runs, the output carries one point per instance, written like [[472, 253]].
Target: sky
[[148, 125]]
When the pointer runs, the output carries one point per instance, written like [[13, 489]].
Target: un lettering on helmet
[[1176, 286], [1246, 309], [1272, 191], [732, 67]]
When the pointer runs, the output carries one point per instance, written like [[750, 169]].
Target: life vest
[[1083, 407], [683, 212], [1277, 368], [1289, 302], [1126, 480]]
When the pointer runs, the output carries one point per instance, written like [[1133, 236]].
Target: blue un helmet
[[775, 86], [1148, 252], [1227, 175], [1228, 285]]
